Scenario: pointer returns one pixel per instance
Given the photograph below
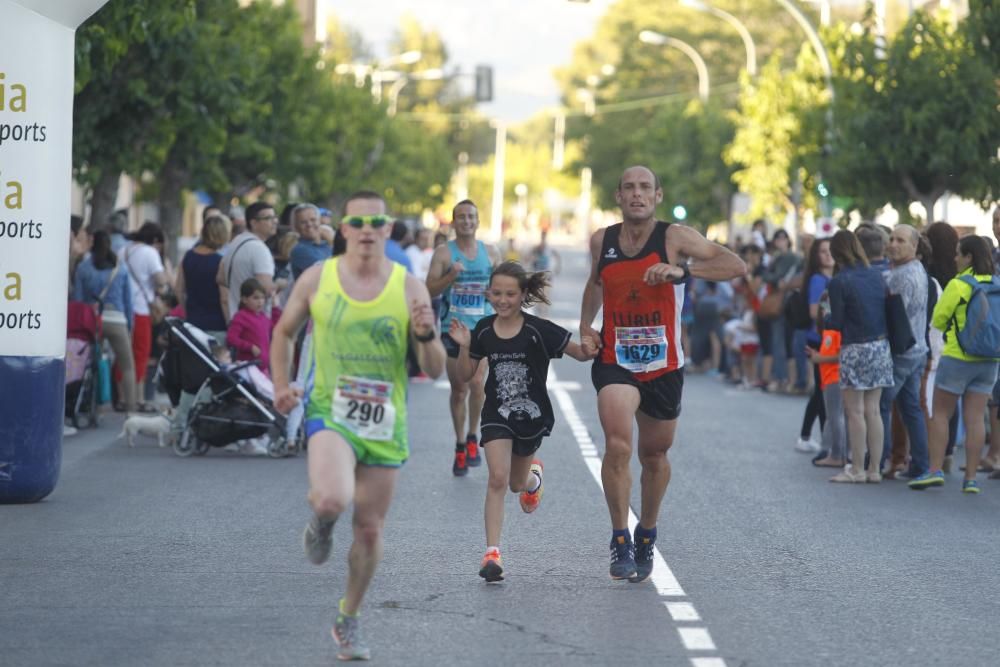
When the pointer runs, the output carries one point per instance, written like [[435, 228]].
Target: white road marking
[[694, 639], [708, 662], [682, 611]]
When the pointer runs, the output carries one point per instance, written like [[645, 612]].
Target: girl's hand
[[460, 333], [589, 345], [255, 351]]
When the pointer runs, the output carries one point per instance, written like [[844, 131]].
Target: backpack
[[797, 309], [981, 335]]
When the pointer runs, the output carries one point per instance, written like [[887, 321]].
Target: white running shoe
[[255, 447], [807, 446]]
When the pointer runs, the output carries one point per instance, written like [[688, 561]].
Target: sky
[[523, 40]]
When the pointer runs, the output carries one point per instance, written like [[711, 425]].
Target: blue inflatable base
[[32, 398]]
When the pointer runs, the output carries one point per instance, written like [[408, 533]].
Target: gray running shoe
[[347, 633], [318, 540], [622, 558], [643, 558]]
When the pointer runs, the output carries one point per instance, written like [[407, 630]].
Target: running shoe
[[927, 480], [317, 540], [472, 457], [643, 558], [491, 568], [347, 633], [622, 558], [970, 486], [459, 468], [807, 446], [530, 501]]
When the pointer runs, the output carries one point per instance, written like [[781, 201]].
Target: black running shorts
[[521, 446], [659, 398], [450, 346]]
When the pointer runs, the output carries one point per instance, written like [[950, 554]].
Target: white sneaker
[[68, 431], [254, 448], [808, 446]]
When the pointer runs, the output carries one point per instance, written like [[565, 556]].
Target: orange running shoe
[[530, 501], [473, 458], [491, 569]]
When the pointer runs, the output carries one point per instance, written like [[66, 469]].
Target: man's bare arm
[[431, 355], [292, 318], [442, 272], [593, 291], [709, 260]]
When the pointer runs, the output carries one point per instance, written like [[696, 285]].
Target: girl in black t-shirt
[[517, 413]]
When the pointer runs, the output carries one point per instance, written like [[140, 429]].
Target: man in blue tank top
[[460, 272]]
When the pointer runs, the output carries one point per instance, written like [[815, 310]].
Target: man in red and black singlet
[[638, 268]]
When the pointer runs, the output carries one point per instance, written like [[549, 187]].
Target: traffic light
[[484, 83]]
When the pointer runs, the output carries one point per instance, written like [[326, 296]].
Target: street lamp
[[397, 86], [748, 44], [651, 37], [379, 71], [814, 40]]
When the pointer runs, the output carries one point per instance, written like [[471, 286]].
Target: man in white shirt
[[248, 257]]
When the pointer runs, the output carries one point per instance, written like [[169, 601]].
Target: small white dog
[[158, 425]]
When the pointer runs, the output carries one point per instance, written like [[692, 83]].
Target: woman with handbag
[[101, 282], [858, 311], [141, 258]]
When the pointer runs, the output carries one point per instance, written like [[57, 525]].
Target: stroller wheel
[[200, 448], [185, 444], [277, 447]]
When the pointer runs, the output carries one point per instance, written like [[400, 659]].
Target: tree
[[779, 136], [920, 121], [641, 94], [121, 86]]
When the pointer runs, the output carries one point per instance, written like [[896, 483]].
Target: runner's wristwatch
[[685, 277], [427, 337]]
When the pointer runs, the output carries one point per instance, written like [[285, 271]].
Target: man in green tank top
[[365, 311]]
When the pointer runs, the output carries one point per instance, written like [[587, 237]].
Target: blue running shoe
[[622, 558], [970, 486], [927, 480], [643, 558]]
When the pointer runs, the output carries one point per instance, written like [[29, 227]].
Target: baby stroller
[[82, 360], [227, 408]]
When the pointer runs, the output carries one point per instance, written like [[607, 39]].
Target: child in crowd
[[265, 388], [828, 358], [250, 330], [517, 413], [741, 337]]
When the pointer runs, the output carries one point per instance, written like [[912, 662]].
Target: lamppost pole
[[748, 44], [398, 84], [651, 37], [814, 40]]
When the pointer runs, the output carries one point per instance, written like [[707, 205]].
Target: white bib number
[[641, 349], [365, 407], [469, 298]]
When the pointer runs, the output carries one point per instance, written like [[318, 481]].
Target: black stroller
[[227, 408]]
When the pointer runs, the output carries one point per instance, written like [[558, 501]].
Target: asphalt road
[[143, 558]]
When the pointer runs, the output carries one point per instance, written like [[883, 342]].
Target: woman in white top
[[141, 256]]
